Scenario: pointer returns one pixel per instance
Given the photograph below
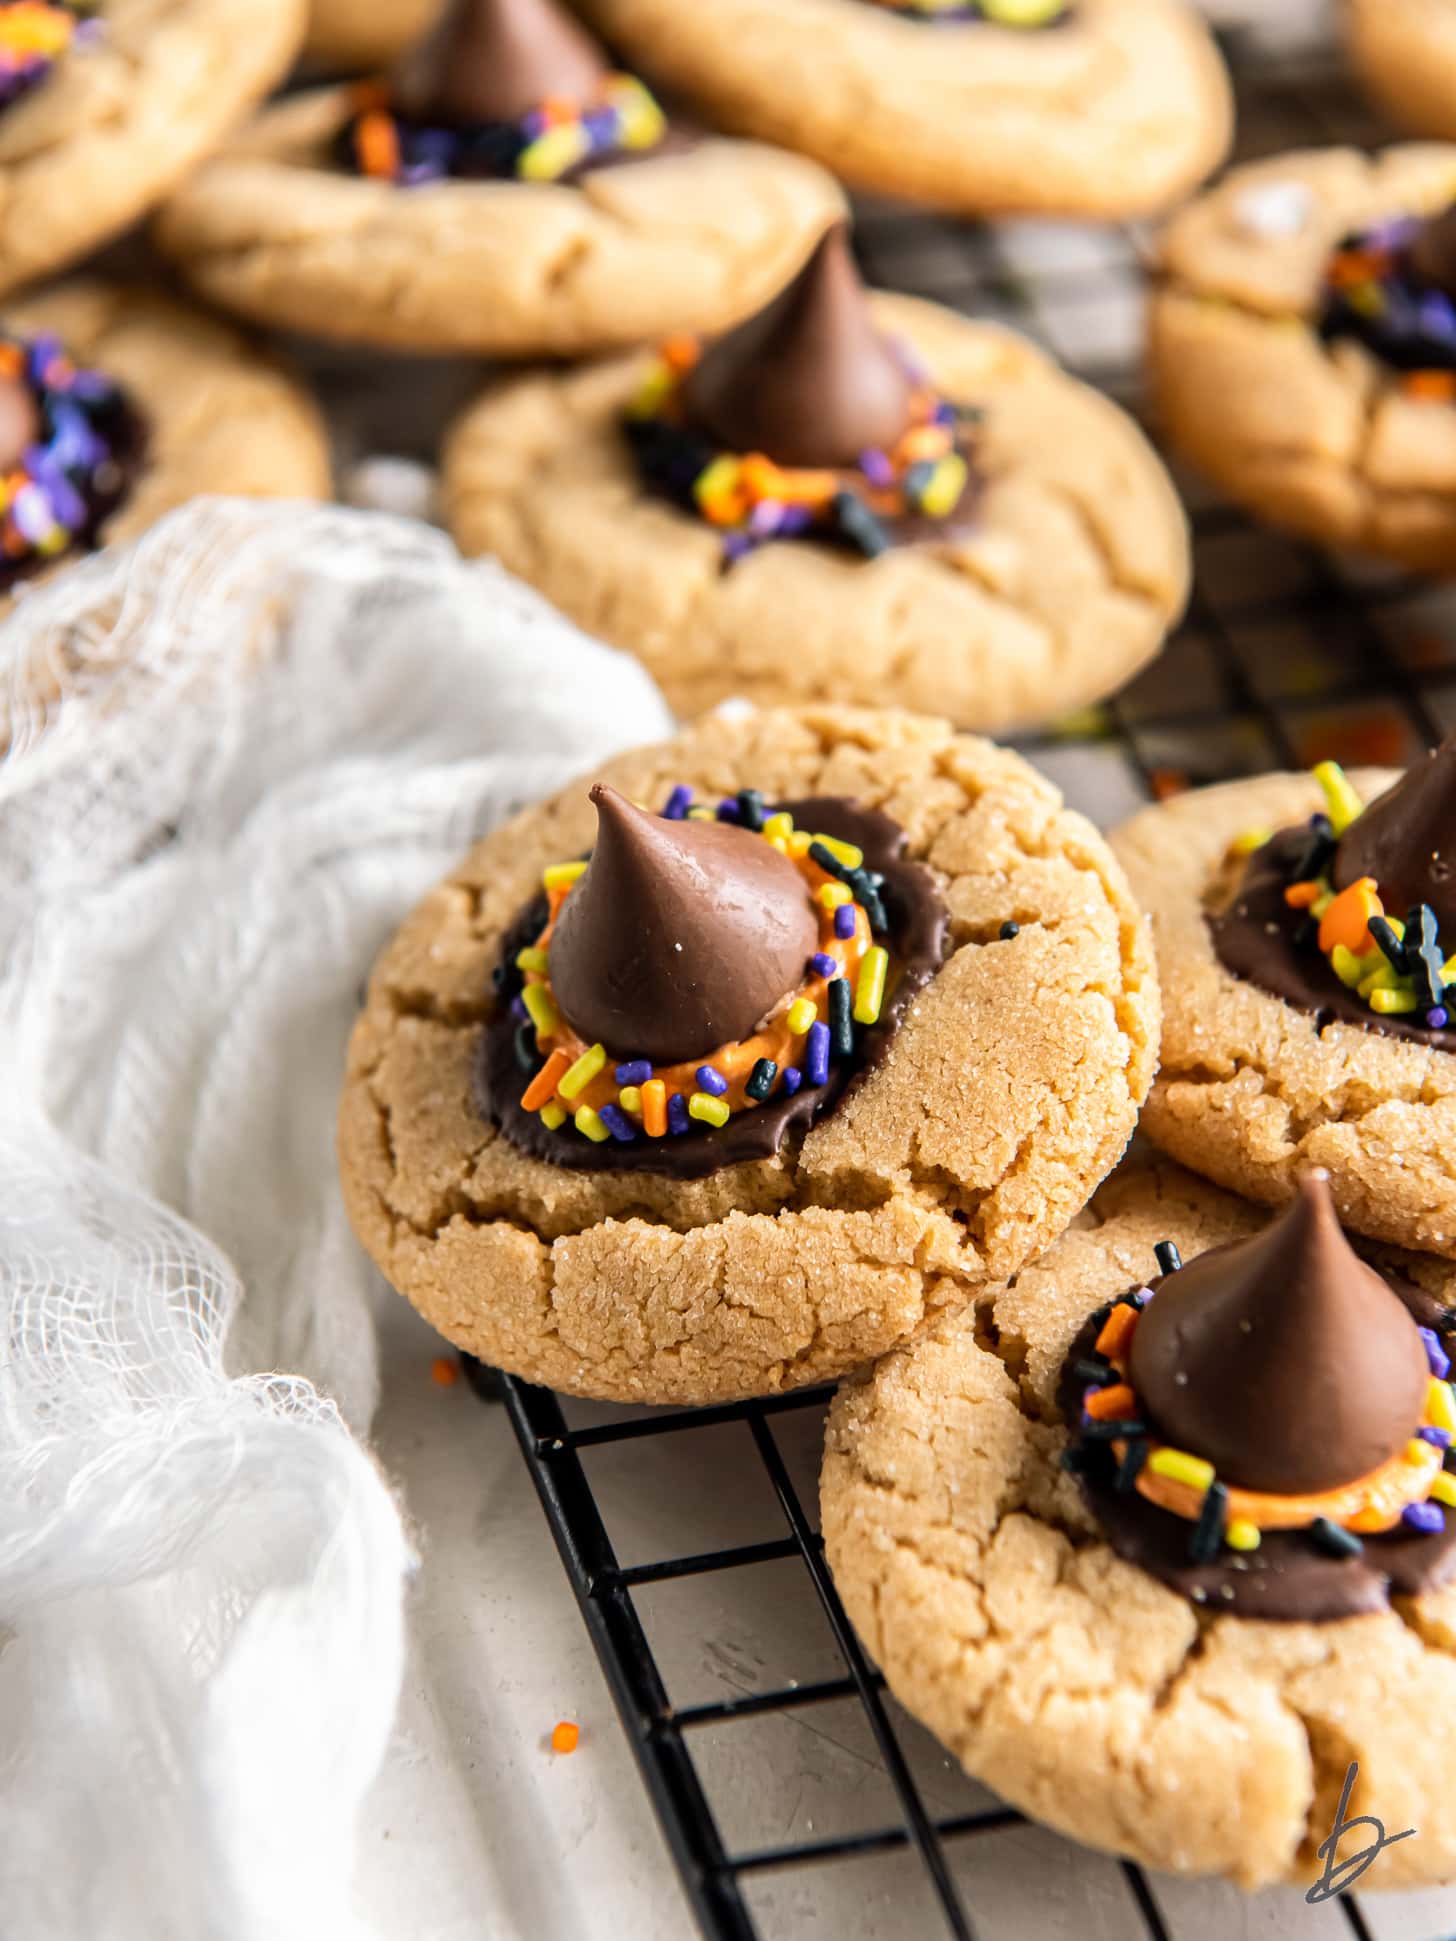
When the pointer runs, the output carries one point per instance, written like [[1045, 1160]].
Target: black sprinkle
[[867, 893], [1075, 1458], [1316, 856], [750, 809], [1168, 1257], [1207, 1538], [760, 1080], [1093, 1368], [1009, 930], [859, 525], [528, 1057], [1388, 942], [841, 1019], [1130, 1468], [1096, 1431], [1098, 1319], [917, 479], [1329, 1536], [830, 863]]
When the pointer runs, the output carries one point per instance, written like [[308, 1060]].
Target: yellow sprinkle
[[1249, 841], [869, 990], [1240, 1534], [1443, 1488], [1416, 1452], [947, 482], [831, 895], [553, 153], [717, 479], [847, 853], [1341, 801], [589, 1121], [1321, 904], [781, 825], [1348, 967], [578, 1076], [703, 1106], [1387, 1002], [799, 841], [702, 814], [552, 1116], [561, 876], [780, 843], [1382, 978], [802, 1013], [650, 393], [1179, 1467], [1022, 13], [630, 1098], [542, 1012], [1441, 1406], [531, 960]]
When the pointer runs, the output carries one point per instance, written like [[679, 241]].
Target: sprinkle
[[540, 1009], [677, 1113], [1117, 1330], [1112, 1430], [1423, 955], [1436, 1357], [1009, 930], [750, 809], [1389, 1003], [630, 1098], [859, 525], [816, 1054], [824, 856], [1441, 1405], [841, 1017], [565, 1736], [833, 896], [542, 1087], [1249, 840], [1437, 1017], [1443, 1489], [590, 1122], [1178, 1466], [942, 492], [728, 809], [869, 991], [1168, 1257], [552, 1117], [792, 1080], [1389, 935], [760, 1080], [780, 824], [1330, 1537], [1438, 1438], [1347, 919], [799, 841], [1340, 797], [654, 1108], [582, 1072], [1428, 1518], [1093, 1368], [867, 889], [1415, 1453], [618, 1124], [1207, 1537], [1131, 1466], [702, 1105], [701, 813], [532, 959], [636, 1071], [678, 803], [561, 876], [1117, 1401], [711, 1080], [845, 921], [1240, 1534], [823, 965], [1074, 1459], [877, 468], [802, 1013], [523, 1043], [1300, 896], [848, 853]]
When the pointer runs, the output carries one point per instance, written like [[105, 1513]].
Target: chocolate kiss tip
[[496, 60], [1284, 1360], [1406, 840], [680, 938], [808, 380]]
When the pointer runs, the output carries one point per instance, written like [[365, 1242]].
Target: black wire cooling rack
[[1286, 656]]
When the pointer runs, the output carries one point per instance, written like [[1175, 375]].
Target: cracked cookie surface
[[117, 125], [1080, 1688], [1405, 53], [1250, 1091], [1075, 566], [1009, 1090], [685, 241], [1117, 113], [1321, 439]]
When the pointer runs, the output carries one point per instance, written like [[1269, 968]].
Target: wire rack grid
[[1286, 656]]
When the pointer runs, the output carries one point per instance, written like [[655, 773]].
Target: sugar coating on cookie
[[1087, 1691], [1008, 1087]]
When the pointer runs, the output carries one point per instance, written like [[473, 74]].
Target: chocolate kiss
[[495, 60], [680, 937], [807, 381], [19, 422], [1406, 840], [1283, 1360], [1431, 252]]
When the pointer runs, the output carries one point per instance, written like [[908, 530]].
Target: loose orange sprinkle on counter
[[444, 1371], [565, 1736]]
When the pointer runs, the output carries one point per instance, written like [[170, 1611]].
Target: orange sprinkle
[[1117, 1330], [1347, 921], [679, 353], [1109, 1403], [444, 1372], [1167, 782], [1430, 387], [654, 1108], [1299, 896], [378, 144], [542, 1088], [565, 1736]]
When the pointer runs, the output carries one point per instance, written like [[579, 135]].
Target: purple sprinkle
[[1439, 1360], [797, 518], [766, 518], [877, 467], [793, 1078], [678, 803], [736, 544], [844, 920], [1439, 1438], [1428, 1518], [677, 1113], [728, 809], [711, 1081], [817, 1054], [823, 965], [636, 1071], [1436, 1017], [533, 125], [617, 1123], [518, 1008]]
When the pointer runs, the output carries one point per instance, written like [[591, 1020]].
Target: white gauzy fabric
[[237, 751]]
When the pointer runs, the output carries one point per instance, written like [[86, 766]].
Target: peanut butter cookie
[[1405, 53]]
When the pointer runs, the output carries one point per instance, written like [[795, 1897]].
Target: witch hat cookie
[[501, 190], [1164, 1562]]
